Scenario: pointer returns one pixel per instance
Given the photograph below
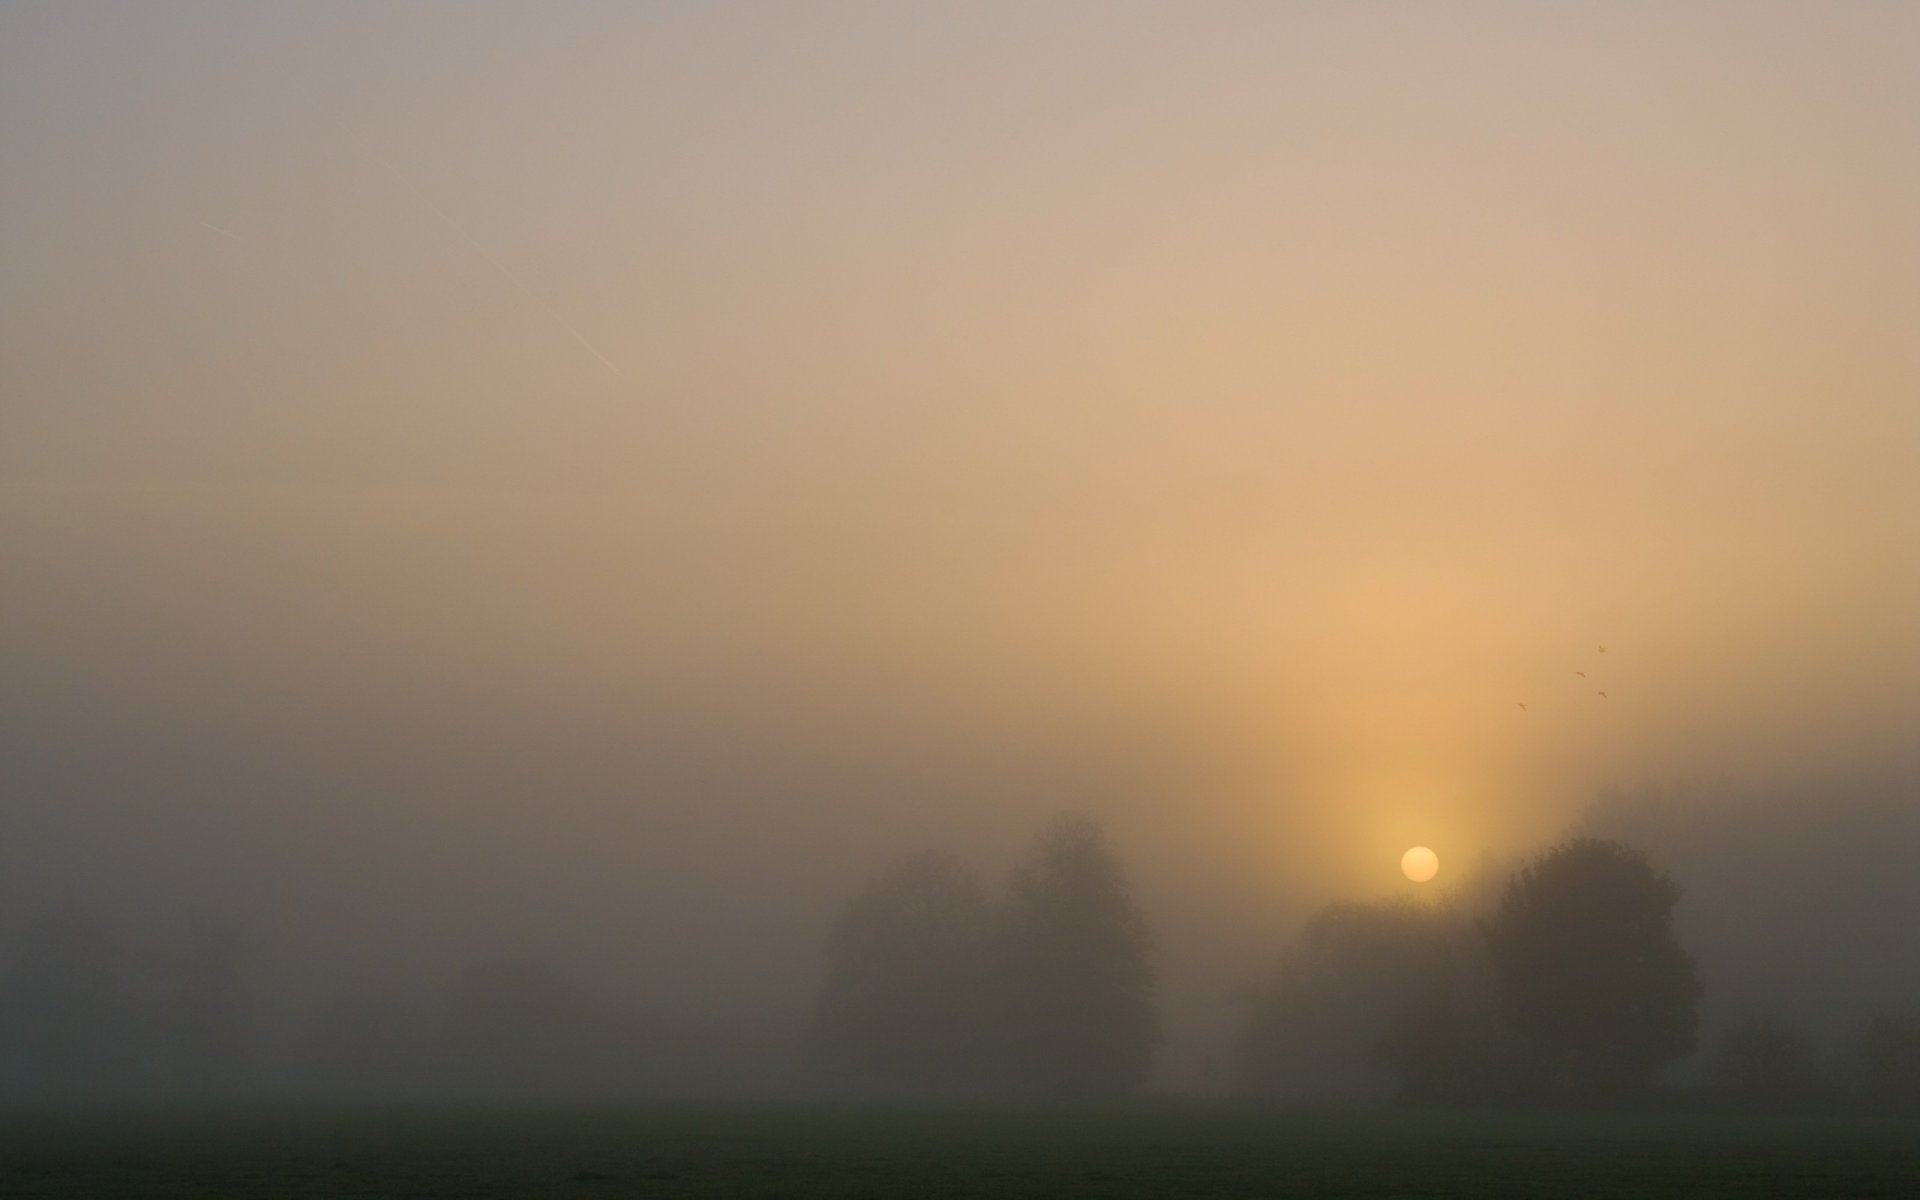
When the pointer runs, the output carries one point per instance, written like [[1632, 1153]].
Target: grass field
[[1159, 1151]]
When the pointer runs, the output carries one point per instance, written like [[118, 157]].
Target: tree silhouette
[[1588, 971], [1444, 1050], [1355, 971], [1375, 995], [905, 1005], [1077, 968]]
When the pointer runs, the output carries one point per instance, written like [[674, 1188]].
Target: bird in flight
[[1523, 707], [1581, 674], [1602, 695]]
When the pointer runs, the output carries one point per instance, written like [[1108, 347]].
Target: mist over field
[[513, 518]]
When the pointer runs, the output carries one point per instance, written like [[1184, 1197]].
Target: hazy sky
[[1219, 416]]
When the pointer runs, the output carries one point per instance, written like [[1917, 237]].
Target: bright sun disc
[[1420, 864]]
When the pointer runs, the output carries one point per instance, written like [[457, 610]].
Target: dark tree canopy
[[931, 987], [1356, 969], [905, 1005], [1588, 970], [1078, 970]]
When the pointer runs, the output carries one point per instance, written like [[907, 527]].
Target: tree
[[1444, 1050], [1588, 971], [1076, 960], [1355, 971], [1378, 995], [905, 1005]]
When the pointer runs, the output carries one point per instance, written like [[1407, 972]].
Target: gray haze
[[529, 509]]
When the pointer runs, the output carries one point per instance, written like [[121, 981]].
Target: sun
[[1420, 864]]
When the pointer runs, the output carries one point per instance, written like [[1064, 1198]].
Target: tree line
[[1567, 983], [1570, 986]]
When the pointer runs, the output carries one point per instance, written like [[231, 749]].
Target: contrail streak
[[228, 233], [506, 273]]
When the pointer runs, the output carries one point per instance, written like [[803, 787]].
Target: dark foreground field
[[1161, 1151]]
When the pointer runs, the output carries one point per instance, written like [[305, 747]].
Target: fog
[[533, 509]]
